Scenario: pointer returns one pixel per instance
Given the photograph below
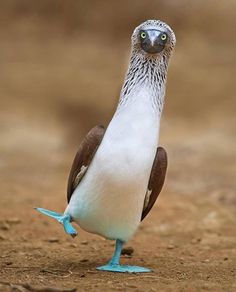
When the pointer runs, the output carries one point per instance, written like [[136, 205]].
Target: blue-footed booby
[[118, 173]]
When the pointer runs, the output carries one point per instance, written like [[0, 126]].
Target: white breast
[[109, 200]]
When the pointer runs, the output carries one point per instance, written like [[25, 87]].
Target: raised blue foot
[[123, 269], [114, 264], [64, 219]]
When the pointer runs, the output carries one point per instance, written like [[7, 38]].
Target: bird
[[118, 172]]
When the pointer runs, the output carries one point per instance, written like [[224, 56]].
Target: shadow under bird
[[118, 173]]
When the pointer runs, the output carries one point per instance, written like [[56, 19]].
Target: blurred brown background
[[62, 65]]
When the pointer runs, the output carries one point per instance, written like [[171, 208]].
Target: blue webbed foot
[[114, 264], [64, 219], [123, 268]]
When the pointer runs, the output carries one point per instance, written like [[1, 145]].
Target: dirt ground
[[53, 90]]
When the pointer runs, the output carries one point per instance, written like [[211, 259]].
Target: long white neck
[[144, 83], [138, 114]]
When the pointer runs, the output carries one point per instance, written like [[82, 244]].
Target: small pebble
[[13, 221], [206, 261], [4, 226], [95, 247], [127, 251], [170, 246], [2, 237], [84, 242], [226, 258], [84, 260], [196, 240], [73, 245], [53, 239]]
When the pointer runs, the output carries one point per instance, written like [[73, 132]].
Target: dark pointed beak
[[152, 44]]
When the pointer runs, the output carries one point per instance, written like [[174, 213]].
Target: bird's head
[[153, 38]]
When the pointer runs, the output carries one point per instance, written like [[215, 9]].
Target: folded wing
[[83, 158], [156, 180]]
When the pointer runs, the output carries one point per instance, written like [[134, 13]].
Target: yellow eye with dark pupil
[[163, 37], [143, 35]]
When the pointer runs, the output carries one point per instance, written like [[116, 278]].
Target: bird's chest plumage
[[129, 145], [109, 199]]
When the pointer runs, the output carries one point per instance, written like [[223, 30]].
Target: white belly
[[109, 200]]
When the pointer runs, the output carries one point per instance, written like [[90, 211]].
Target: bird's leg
[[116, 257], [64, 219], [114, 264]]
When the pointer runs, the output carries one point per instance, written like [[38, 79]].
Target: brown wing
[[156, 180], [83, 157]]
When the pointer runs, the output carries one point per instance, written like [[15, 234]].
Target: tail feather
[[64, 219]]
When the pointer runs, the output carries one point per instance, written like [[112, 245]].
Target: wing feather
[[156, 180], [83, 158]]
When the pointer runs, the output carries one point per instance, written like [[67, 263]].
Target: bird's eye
[[163, 37], [143, 35]]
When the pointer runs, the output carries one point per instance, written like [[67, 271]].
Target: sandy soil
[[49, 100]]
